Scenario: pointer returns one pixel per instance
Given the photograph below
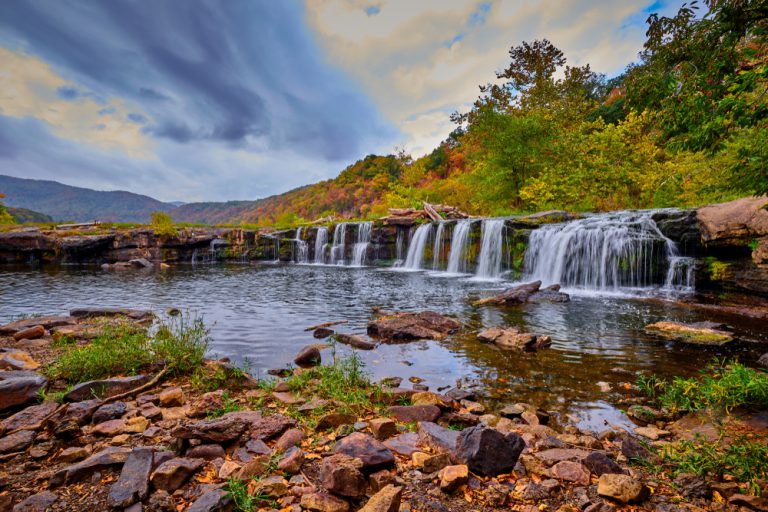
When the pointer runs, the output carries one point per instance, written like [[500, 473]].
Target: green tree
[[5, 217], [163, 224]]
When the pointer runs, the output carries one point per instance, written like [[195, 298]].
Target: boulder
[[622, 488], [453, 477], [105, 388], [414, 413], [736, 221], [322, 332], [487, 451], [17, 441], [404, 327], [133, 483], [511, 338], [270, 426], [28, 418], [354, 341], [174, 473], [386, 500], [342, 475], [322, 502], [695, 334], [371, 452], [309, 356], [18, 387]]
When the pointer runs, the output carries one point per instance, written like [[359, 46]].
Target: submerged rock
[[704, 333], [354, 341], [403, 327], [511, 338], [529, 292]]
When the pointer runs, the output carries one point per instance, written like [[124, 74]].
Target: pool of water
[[260, 312]]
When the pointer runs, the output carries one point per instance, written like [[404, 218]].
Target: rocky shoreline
[[322, 437]]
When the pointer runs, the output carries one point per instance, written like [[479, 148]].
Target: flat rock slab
[[105, 388], [29, 417], [108, 458], [512, 338], [46, 321], [404, 327], [17, 442], [404, 444], [229, 427], [19, 387], [39, 502], [438, 438], [415, 413], [12, 359], [134, 314], [133, 483], [174, 473], [217, 500], [555, 455], [694, 334]]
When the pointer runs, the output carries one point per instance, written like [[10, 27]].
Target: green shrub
[[163, 224]]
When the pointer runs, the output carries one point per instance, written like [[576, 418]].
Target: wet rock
[[335, 420], [571, 472], [321, 502], [13, 359], [690, 333], [460, 394], [322, 332], [229, 427], [309, 356], [364, 447], [206, 451], [104, 388], [290, 438], [599, 463], [436, 437], [133, 483], [453, 477], [354, 341], [171, 397], [17, 442], [404, 444], [291, 461], [415, 413], [386, 500], [271, 426], [39, 502], [512, 411], [622, 488], [403, 327], [133, 314], [529, 292], [108, 458], [342, 475], [172, 474], [383, 428], [217, 500], [18, 387], [511, 338], [391, 382], [274, 486], [28, 418], [644, 414], [487, 451], [109, 412]]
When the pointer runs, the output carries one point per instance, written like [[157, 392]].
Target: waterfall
[[363, 241], [399, 247], [437, 248], [457, 258], [603, 252], [194, 256], [680, 275], [337, 250], [320, 242], [491, 249], [276, 237], [301, 254], [415, 257]]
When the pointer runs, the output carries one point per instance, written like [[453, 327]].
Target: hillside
[[67, 203], [22, 215]]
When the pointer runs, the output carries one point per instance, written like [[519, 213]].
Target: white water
[[320, 243], [607, 252], [491, 249], [399, 245], [360, 249], [457, 259], [338, 247], [301, 254], [415, 258], [680, 275], [437, 249]]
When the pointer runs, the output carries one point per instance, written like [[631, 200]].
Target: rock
[[472, 407], [255, 467], [313, 405], [334, 420], [342, 475], [383, 428], [453, 477], [171, 397], [386, 500], [270, 426], [487, 451], [206, 403], [736, 221], [19, 387], [322, 332], [227, 428], [380, 479], [632, 449], [622, 488], [415, 413], [273, 486], [354, 341], [435, 462], [258, 447], [693, 426], [228, 468], [690, 333], [206, 452], [292, 461], [453, 420], [651, 432], [104, 388], [161, 501], [133, 483], [693, 486], [109, 412], [571, 472], [309, 356], [599, 463], [109, 428], [364, 447], [47, 322], [17, 442], [28, 418], [437, 438], [511, 338], [763, 360], [529, 292], [286, 397], [13, 359], [39, 502], [73, 454], [136, 425], [217, 500], [133, 314], [555, 455], [403, 327], [321, 502], [289, 439], [172, 474], [108, 458], [752, 502], [645, 414], [37, 331], [404, 444]]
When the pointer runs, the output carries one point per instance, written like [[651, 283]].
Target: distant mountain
[[22, 215], [67, 203]]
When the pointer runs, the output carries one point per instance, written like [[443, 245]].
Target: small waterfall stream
[[491, 249], [457, 258], [360, 249], [399, 248], [415, 258], [301, 254], [339, 244], [437, 249], [320, 242]]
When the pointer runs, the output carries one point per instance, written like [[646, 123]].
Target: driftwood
[[322, 220], [326, 324], [433, 212]]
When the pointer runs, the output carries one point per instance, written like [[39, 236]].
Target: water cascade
[[338, 247], [301, 254], [491, 249], [360, 249], [415, 258], [457, 258], [606, 252], [680, 275], [437, 249], [399, 244], [276, 237], [320, 242]]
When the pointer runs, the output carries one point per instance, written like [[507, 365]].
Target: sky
[[202, 100]]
